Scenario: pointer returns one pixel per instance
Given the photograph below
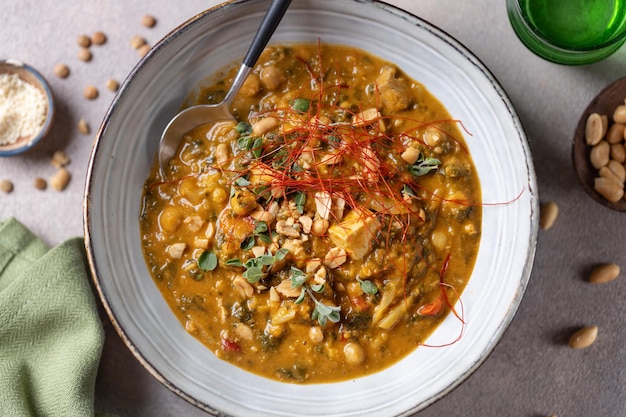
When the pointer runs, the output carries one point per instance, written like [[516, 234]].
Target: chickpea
[[271, 77], [354, 353], [316, 335], [219, 195], [170, 219], [252, 86], [188, 190], [319, 227], [243, 202], [439, 239]]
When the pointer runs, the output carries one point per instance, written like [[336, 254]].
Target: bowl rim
[[532, 239], [28, 143]]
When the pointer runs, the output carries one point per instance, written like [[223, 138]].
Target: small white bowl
[[126, 147], [34, 78]]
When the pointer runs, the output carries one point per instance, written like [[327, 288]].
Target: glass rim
[[620, 38]]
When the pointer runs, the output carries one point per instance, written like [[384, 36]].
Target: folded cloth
[[51, 337]]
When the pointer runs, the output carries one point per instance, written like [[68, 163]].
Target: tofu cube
[[355, 232]]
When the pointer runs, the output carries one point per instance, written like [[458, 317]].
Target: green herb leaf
[[260, 227], [279, 159], [265, 238], [207, 261], [368, 287], [323, 312], [301, 105], [242, 182], [408, 190], [300, 200], [247, 243], [253, 263], [318, 288], [253, 275], [334, 141], [298, 277], [257, 147], [300, 298], [243, 128], [234, 262], [244, 143], [281, 254], [267, 260], [424, 165]]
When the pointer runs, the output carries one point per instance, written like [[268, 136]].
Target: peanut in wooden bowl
[[604, 104]]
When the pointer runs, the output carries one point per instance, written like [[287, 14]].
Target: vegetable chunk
[[355, 233]]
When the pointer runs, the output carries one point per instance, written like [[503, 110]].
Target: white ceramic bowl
[[126, 146]]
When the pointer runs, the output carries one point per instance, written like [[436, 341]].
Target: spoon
[[201, 114], [604, 103]]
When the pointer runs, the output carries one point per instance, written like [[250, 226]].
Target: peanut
[[595, 129], [583, 337], [603, 273], [60, 179], [548, 215]]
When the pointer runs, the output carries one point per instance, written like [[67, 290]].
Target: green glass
[[570, 32]]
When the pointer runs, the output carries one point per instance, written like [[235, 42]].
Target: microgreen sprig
[[368, 287], [424, 165], [207, 261], [256, 268], [322, 312]]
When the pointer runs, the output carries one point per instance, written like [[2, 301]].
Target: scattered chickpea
[[113, 85], [98, 38], [84, 54], [59, 159], [148, 21], [137, 42], [83, 127], [83, 41], [40, 183], [61, 70], [6, 186], [91, 92], [143, 50], [60, 179]]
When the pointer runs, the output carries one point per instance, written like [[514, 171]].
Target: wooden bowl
[[604, 103]]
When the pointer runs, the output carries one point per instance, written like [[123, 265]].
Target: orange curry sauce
[[325, 235]]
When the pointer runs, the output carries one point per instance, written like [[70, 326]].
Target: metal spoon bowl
[[195, 116]]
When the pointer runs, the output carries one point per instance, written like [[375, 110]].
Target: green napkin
[[51, 337]]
